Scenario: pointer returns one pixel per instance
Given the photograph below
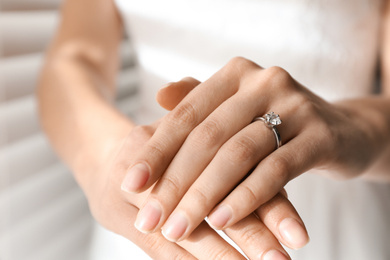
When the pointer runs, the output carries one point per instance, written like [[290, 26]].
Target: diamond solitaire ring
[[271, 120]]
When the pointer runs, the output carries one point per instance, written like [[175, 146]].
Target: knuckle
[[223, 254], [202, 200], [142, 131], [179, 256], [275, 205], [277, 76], [170, 184], [280, 167], [238, 61], [155, 245], [240, 64], [276, 71], [248, 194], [241, 150], [156, 151], [183, 115], [250, 235], [207, 134]]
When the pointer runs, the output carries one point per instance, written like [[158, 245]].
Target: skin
[[209, 136], [99, 144]]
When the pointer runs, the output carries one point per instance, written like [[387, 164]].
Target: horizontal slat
[[20, 75], [25, 5], [43, 226], [26, 157], [34, 193], [26, 32], [20, 119]]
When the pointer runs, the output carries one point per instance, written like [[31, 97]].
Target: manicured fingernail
[[219, 218], [148, 217], [274, 255], [293, 233], [135, 178], [175, 227]]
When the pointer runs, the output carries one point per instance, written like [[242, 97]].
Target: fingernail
[[219, 218], [135, 178], [274, 255], [175, 227], [293, 233], [148, 217]]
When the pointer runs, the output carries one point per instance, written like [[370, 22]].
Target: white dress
[[330, 46]]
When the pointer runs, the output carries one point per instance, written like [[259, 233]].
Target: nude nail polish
[[175, 227], [148, 217], [274, 255], [293, 233], [219, 218], [135, 178]]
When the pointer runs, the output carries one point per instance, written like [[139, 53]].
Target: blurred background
[[43, 213]]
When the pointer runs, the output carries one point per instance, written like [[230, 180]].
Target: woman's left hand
[[203, 150]]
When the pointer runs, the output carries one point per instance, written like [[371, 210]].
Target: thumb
[[173, 93]]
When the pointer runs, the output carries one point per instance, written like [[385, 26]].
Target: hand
[[117, 210], [207, 145]]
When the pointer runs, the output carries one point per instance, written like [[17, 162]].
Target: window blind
[[43, 213]]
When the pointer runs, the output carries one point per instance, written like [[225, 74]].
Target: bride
[[300, 113]]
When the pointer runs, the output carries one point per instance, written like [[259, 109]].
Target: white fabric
[[330, 46]]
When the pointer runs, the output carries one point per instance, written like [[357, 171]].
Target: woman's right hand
[[117, 210]]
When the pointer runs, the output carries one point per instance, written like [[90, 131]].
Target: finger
[[197, 151], [171, 94], [118, 218], [172, 132], [206, 244], [229, 166], [256, 240], [268, 178], [281, 218], [203, 243]]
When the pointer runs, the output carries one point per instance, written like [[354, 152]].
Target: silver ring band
[[271, 120]]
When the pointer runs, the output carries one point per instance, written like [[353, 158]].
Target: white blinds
[[43, 214]]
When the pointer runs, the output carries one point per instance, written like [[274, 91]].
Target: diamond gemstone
[[273, 119]]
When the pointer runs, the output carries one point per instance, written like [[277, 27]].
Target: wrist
[[366, 132], [97, 151]]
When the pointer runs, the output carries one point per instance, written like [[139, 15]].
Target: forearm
[[77, 115], [371, 116], [77, 85]]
